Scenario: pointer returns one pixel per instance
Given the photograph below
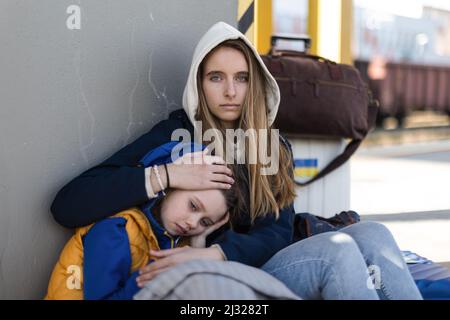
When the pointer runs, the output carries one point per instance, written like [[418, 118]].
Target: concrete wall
[[72, 94]]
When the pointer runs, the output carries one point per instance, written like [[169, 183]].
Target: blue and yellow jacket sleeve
[[107, 262]]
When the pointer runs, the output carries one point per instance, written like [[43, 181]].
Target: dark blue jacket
[[118, 183], [108, 258]]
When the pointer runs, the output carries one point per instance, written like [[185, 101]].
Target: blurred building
[[418, 40], [290, 16], [442, 36]]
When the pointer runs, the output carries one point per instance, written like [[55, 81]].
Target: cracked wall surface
[[76, 87]]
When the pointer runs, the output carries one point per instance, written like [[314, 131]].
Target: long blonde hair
[[265, 193]]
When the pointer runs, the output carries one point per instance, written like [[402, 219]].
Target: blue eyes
[[239, 78]]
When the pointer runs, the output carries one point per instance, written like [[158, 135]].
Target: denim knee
[[335, 245], [329, 264], [330, 247], [371, 231], [375, 241], [375, 229], [340, 246]]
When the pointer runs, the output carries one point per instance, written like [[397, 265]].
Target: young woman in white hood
[[229, 87]]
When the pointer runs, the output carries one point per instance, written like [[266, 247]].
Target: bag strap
[[349, 150], [351, 147]]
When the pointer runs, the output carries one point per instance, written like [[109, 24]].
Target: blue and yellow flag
[[305, 168]]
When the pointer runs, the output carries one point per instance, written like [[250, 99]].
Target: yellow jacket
[[66, 281]]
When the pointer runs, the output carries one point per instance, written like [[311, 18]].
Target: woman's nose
[[230, 90]]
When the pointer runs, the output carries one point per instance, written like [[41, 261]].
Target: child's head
[[188, 212]]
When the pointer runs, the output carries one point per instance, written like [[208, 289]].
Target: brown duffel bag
[[321, 98]]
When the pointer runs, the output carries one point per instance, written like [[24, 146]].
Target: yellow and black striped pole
[[246, 18], [255, 21]]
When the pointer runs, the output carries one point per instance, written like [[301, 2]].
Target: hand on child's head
[[200, 157]]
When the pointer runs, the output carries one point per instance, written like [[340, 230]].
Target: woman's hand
[[199, 241], [199, 171], [172, 257]]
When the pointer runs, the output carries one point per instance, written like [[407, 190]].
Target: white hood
[[218, 33]]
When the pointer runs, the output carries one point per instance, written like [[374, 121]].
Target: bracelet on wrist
[[158, 177], [167, 175]]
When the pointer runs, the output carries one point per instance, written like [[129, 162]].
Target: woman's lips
[[230, 106]]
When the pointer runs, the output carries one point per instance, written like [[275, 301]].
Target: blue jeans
[[360, 261]]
